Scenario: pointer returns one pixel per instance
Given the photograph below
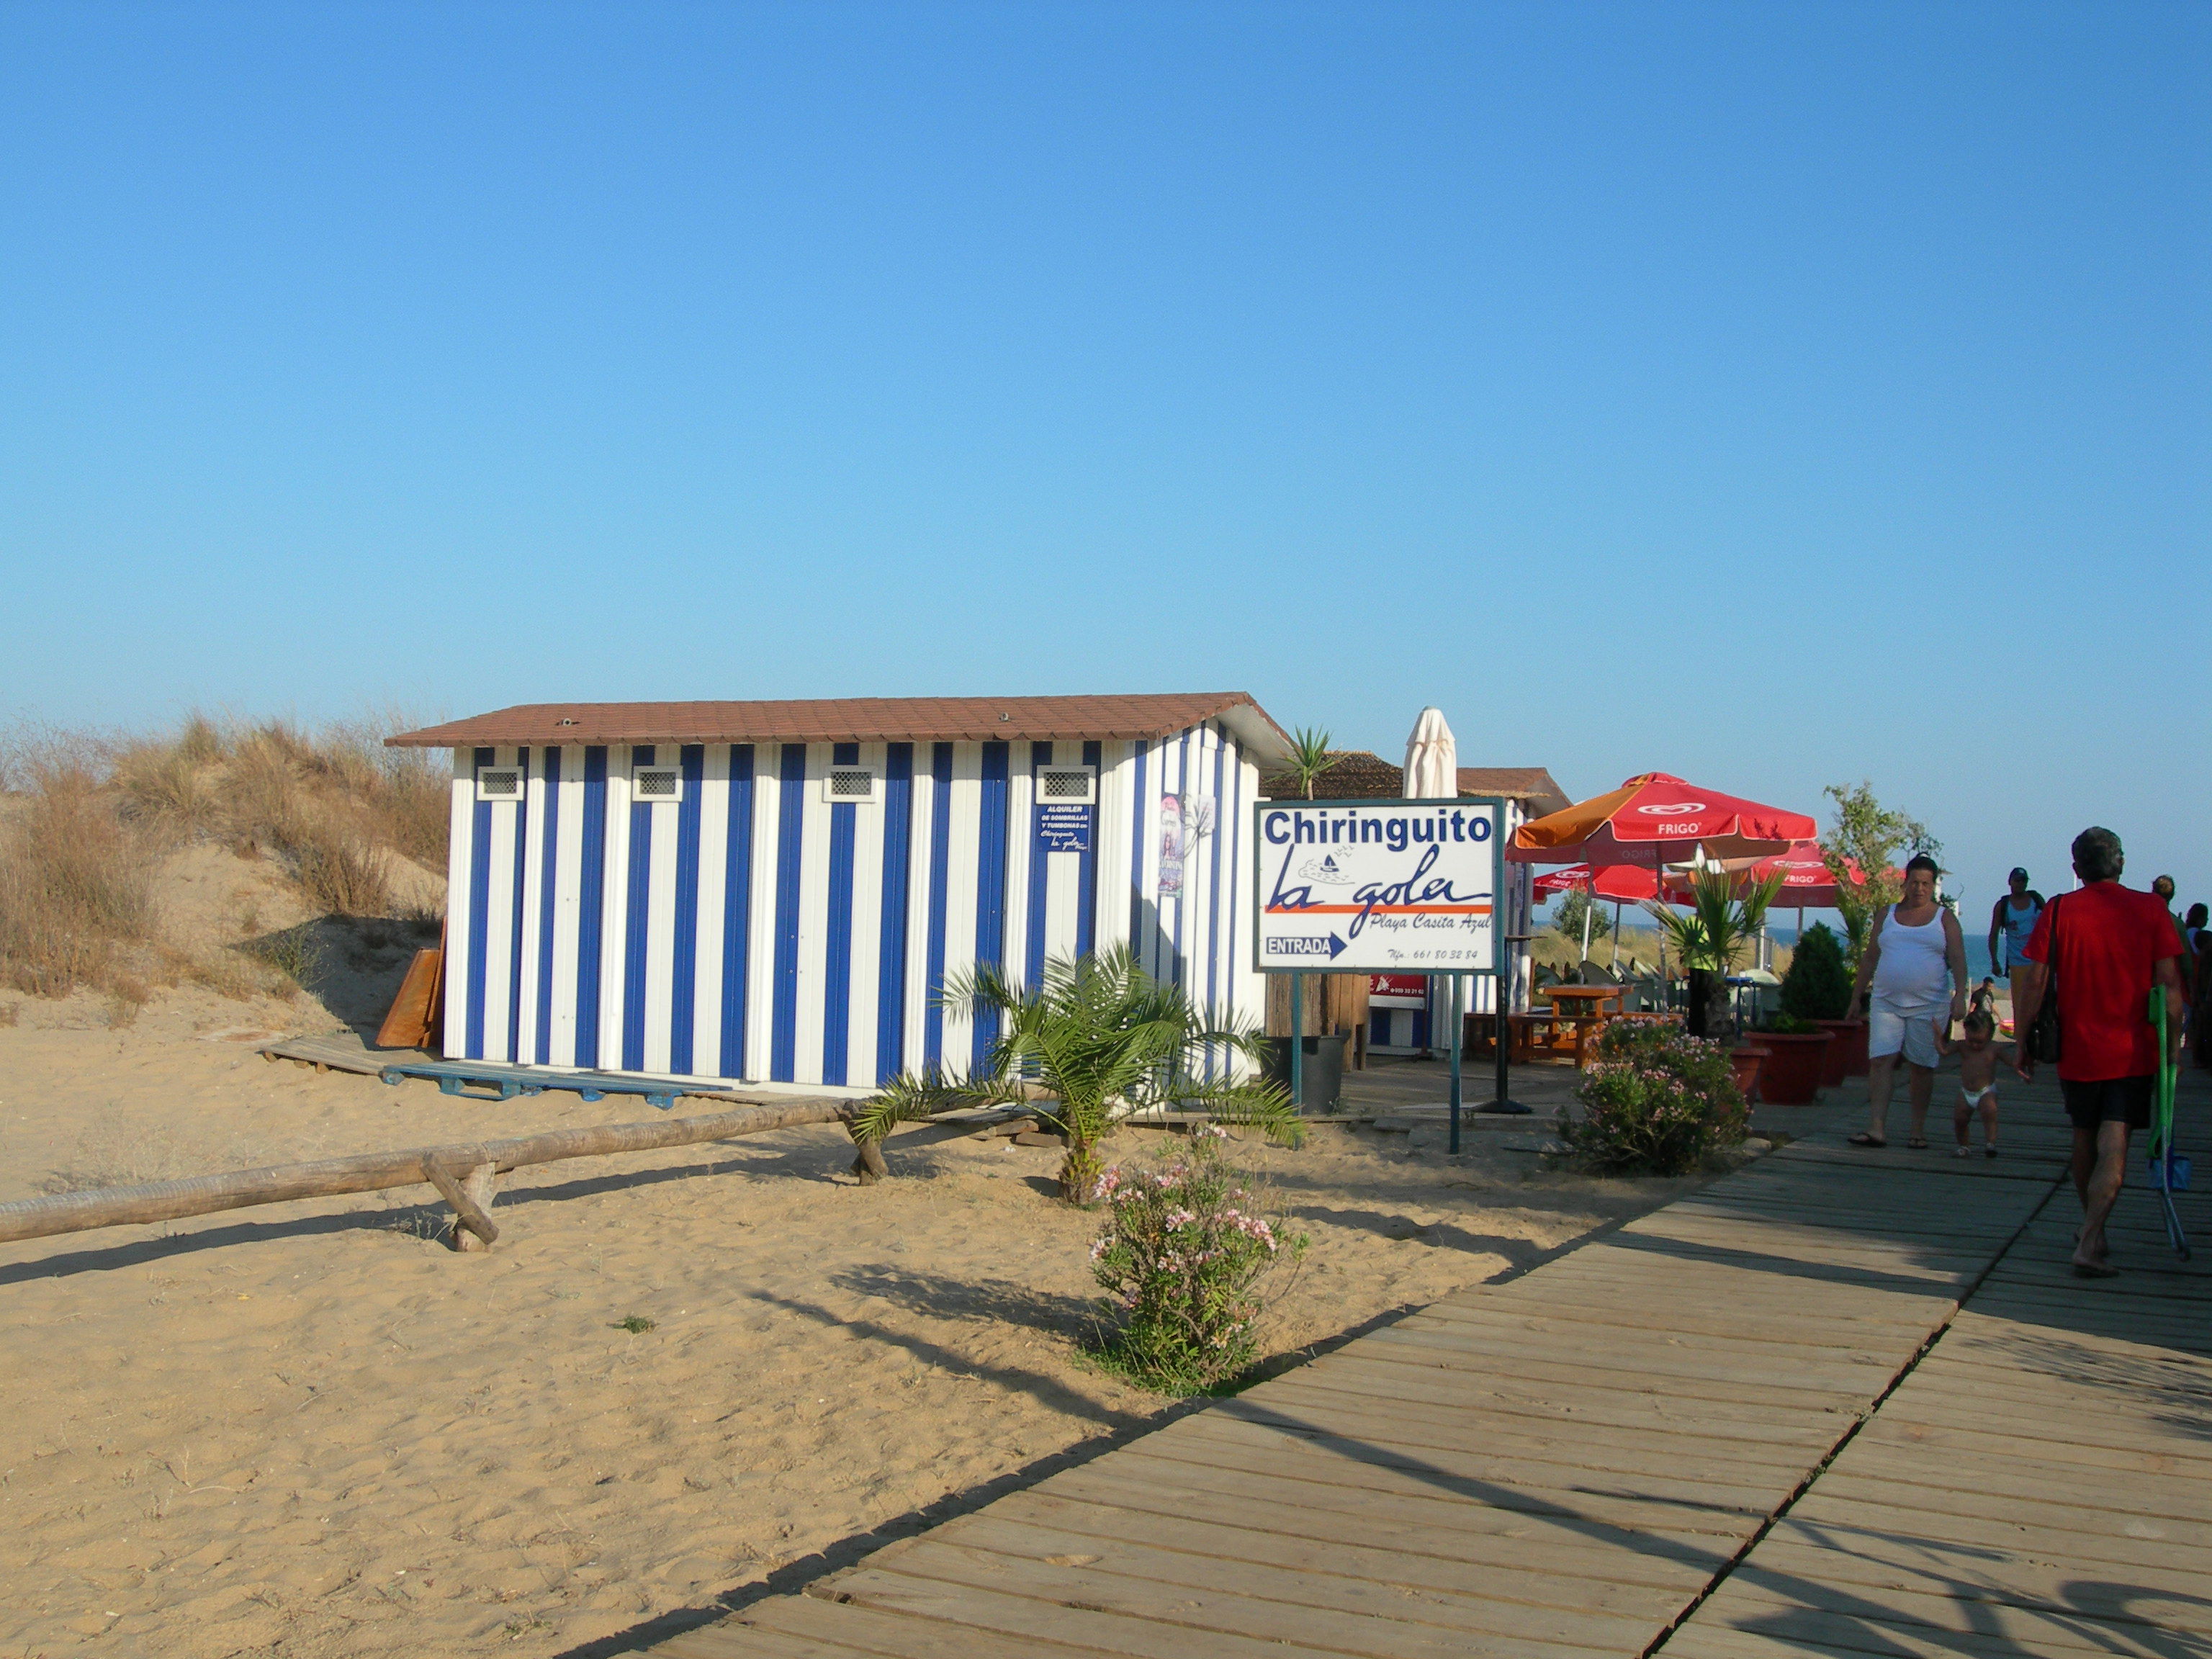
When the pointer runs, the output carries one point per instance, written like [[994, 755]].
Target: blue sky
[[1772, 395]]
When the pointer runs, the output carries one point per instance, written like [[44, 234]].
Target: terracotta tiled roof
[[1355, 775], [1532, 784], [1351, 774], [861, 720]]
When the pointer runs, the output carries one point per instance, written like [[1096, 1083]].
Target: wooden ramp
[[1627, 1450]]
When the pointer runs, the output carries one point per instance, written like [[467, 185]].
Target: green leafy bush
[[1818, 984], [1787, 1024], [1186, 1260], [1655, 1101]]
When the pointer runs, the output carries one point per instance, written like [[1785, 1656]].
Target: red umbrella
[[1656, 818], [1806, 884], [1616, 881]]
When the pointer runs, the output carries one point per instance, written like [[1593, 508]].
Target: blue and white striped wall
[[754, 931]]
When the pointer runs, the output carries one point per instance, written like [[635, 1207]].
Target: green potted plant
[[1796, 1054], [1818, 987], [1711, 940]]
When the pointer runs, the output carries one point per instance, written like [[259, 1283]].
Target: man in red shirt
[[2108, 946]]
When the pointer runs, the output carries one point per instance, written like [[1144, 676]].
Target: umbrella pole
[[1502, 1103], [1587, 899], [1458, 1041], [1616, 934], [1298, 1044]]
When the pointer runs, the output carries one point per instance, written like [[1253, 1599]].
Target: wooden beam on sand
[[167, 1201]]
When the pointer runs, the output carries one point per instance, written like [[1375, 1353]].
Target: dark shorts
[[2109, 1100]]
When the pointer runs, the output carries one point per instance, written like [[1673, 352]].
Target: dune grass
[[88, 817]]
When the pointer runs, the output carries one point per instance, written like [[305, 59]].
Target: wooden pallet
[[482, 1080]]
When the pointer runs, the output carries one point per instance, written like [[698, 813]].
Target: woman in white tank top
[[1916, 956]]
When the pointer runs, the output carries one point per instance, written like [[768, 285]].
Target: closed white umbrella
[[1431, 759]]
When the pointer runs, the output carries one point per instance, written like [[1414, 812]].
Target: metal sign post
[[1458, 1043], [1501, 1104], [1379, 886]]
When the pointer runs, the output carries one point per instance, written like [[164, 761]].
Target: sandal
[[1916, 1145], [1862, 1139], [1965, 1151]]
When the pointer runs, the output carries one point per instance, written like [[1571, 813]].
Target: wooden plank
[[1186, 1618], [1509, 1604], [1344, 1460], [1647, 1368], [1426, 1522], [1584, 1412], [1442, 1429], [1343, 1479], [2142, 1594], [1749, 1592], [2078, 1535], [820, 1618], [1553, 1571], [1077, 1618], [724, 1640], [411, 1018]]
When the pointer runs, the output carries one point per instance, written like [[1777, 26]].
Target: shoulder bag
[[2045, 1036]]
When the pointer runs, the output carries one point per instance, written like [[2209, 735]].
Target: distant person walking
[[2011, 920], [1914, 953], [2198, 937], [2106, 945], [2161, 889]]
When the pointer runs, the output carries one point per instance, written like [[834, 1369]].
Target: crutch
[[2162, 1161]]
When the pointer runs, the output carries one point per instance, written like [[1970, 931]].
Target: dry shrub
[[76, 894], [340, 874], [165, 786], [10, 1012], [126, 995], [112, 1154], [227, 974], [200, 741]]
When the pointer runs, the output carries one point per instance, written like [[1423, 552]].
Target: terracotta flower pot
[[1743, 1071], [1847, 1054], [1791, 1076]]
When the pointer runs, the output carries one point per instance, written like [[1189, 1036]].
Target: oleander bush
[[1188, 1257], [1655, 1101]]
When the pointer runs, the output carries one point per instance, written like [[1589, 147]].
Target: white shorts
[[1893, 1027]]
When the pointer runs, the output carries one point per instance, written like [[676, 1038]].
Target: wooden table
[[1584, 1000], [1579, 1013]]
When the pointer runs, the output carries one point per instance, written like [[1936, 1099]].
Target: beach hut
[[771, 892]]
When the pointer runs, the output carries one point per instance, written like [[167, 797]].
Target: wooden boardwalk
[[1755, 1422]]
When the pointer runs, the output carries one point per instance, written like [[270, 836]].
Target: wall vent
[[1066, 786], [849, 785], [653, 784], [499, 783]]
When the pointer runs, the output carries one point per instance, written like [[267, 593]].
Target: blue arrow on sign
[[1335, 947]]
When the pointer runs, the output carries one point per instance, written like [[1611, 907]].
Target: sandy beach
[[314, 1428]]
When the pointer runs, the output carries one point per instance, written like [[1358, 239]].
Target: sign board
[[1377, 886], [1398, 991], [1063, 828]]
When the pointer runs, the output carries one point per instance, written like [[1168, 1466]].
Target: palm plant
[[1720, 926], [1310, 756], [1099, 1035]]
